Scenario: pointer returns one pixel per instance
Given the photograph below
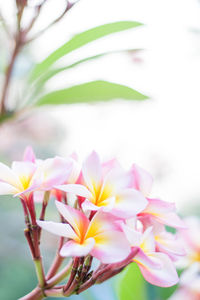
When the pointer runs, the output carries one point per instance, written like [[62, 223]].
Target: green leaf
[[80, 40], [52, 72], [91, 92], [131, 284]]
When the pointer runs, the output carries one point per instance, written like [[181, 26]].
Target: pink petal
[[141, 180], [163, 212], [148, 241], [7, 189], [92, 172], [75, 172], [133, 236], [109, 165], [76, 218], [169, 244], [100, 223], [111, 247], [54, 171], [141, 258], [76, 189], [117, 179], [129, 202], [159, 206], [191, 234], [59, 229], [72, 248], [165, 275], [106, 205], [89, 206], [171, 219], [29, 155]]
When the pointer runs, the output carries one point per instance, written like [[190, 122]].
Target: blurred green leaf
[[131, 284], [52, 72], [80, 40], [91, 92]]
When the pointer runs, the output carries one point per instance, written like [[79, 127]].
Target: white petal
[[92, 171], [7, 175], [129, 202], [59, 229], [7, 189], [76, 189]]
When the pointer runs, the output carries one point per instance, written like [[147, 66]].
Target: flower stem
[[60, 276], [36, 294], [39, 271]]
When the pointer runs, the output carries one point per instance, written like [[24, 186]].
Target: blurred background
[[160, 134]]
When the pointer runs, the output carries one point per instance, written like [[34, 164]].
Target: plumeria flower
[[156, 210], [56, 170], [31, 175], [162, 212], [156, 267], [106, 188], [99, 237], [72, 178], [19, 179]]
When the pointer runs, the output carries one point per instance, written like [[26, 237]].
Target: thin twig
[[8, 76], [37, 13], [38, 34]]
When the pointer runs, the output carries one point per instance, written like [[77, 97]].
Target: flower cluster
[[112, 218]]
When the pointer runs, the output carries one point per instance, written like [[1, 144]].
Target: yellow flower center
[[25, 181]]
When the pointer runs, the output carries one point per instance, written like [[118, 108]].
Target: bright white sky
[[162, 134]]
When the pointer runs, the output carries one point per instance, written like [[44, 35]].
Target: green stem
[[54, 293], [39, 271]]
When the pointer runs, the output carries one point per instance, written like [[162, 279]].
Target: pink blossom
[[100, 237], [106, 188], [156, 267]]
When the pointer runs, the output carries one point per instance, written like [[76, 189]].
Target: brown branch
[[37, 13], [72, 275], [38, 34], [8, 76]]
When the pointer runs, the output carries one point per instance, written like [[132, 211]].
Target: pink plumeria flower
[[19, 179], [100, 237], [162, 212], [156, 267], [54, 171], [106, 188], [159, 210], [31, 175]]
